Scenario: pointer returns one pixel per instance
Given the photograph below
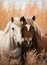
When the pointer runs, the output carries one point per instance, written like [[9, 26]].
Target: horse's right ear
[[33, 18], [23, 19], [12, 19]]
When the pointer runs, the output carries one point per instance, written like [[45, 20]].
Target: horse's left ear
[[33, 18], [12, 19], [23, 19]]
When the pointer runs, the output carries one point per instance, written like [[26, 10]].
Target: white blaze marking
[[28, 43], [28, 26]]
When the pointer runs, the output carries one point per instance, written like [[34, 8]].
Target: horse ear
[[33, 18], [12, 19], [22, 19]]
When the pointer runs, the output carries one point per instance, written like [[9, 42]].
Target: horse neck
[[7, 28]]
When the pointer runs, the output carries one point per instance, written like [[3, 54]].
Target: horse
[[33, 36], [32, 30], [39, 37], [10, 36]]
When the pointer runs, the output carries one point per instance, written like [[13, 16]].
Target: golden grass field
[[41, 18], [31, 59]]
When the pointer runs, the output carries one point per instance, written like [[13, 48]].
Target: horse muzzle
[[29, 42]]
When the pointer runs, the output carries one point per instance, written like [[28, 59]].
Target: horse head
[[27, 31], [15, 31]]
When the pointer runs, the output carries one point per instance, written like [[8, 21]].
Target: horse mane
[[38, 29], [7, 28]]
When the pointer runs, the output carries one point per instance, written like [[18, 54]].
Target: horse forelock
[[17, 22], [29, 21]]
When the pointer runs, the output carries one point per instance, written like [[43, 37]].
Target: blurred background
[[27, 8]]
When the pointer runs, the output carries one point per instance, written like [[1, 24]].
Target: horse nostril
[[12, 28], [30, 41], [18, 44]]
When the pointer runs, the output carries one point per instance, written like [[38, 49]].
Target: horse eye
[[12, 28]]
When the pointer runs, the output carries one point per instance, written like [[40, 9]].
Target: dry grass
[[36, 59], [9, 58], [32, 58]]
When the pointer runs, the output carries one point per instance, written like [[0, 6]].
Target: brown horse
[[27, 34], [33, 36], [32, 33]]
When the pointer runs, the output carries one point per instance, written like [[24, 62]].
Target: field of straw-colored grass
[[31, 59]]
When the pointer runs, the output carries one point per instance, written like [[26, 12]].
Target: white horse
[[10, 35]]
